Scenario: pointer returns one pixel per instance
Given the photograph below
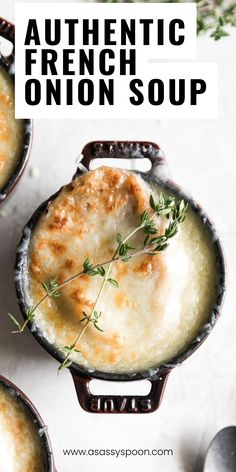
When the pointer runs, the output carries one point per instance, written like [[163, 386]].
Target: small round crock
[[7, 31], [37, 420], [157, 375]]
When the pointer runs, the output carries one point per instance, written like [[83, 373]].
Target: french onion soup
[[154, 305], [11, 130], [20, 442]]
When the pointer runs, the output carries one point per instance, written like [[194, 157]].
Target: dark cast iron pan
[[7, 31], [42, 429], [158, 374]]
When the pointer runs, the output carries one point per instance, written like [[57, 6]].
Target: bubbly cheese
[[162, 301], [11, 130], [20, 448]]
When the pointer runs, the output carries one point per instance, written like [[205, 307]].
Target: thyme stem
[[112, 260]]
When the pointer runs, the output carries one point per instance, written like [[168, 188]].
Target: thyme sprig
[[213, 16], [166, 206]]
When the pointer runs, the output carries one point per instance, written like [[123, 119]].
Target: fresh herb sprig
[[213, 16], [167, 207]]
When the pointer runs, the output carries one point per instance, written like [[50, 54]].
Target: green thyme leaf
[[161, 199], [124, 249], [86, 317], [44, 285], [97, 327], [97, 314], [118, 238], [146, 240], [125, 259], [149, 229], [51, 288], [15, 321], [171, 230], [65, 349], [144, 217], [65, 364], [87, 265], [92, 272], [158, 239], [113, 282], [101, 271], [164, 211], [152, 202], [161, 247], [30, 313]]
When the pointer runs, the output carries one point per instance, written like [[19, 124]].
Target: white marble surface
[[200, 396]]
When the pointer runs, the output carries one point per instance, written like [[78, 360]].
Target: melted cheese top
[[162, 301], [20, 448], [11, 130]]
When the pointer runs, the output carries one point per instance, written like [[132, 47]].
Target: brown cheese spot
[[112, 357], [114, 202], [67, 204], [122, 301], [112, 177], [121, 269], [145, 268], [112, 341], [5, 99], [56, 247], [109, 349], [150, 265], [78, 296], [41, 244], [60, 277], [69, 263], [133, 187], [39, 292], [35, 265], [58, 222], [84, 278]]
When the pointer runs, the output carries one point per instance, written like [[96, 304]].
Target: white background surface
[[200, 396]]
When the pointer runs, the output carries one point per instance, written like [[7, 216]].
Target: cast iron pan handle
[[7, 31], [125, 150], [119, 403]]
